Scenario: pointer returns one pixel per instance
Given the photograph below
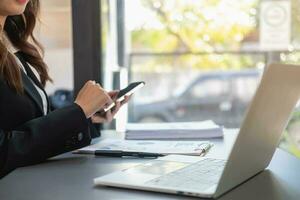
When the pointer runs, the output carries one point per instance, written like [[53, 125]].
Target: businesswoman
[[29, 131]]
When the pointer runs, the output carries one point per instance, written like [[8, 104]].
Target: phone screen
[[130, 89]]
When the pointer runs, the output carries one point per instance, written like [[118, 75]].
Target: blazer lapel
[[31, 91], [36, 81], [33, 78]]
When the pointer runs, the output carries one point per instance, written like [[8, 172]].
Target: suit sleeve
[[58, 132], [94, 129]]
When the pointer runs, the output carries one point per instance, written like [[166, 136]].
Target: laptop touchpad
[[157, 167]]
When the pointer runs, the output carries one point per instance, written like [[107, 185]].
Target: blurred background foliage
[[198, 26], [204, 27]]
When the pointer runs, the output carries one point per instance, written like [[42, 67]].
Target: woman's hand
[[92, 98], [105, 117]]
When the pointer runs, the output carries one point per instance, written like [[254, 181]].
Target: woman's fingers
[[126, 99], [97, 119], [102, 118], [113, 94], [116, 108], [108, 116]]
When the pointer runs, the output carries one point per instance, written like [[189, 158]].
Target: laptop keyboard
[[198, 176]]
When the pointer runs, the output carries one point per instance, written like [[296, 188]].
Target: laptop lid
[[266, 119]]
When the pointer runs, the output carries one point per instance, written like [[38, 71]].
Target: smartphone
[[130, 89]]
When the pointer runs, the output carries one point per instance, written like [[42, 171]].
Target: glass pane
[[196, 58], [201, 60]]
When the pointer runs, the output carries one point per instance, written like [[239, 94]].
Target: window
[[174, 43], [210, 89]]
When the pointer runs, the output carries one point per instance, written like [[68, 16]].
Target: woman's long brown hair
[[19, 30]]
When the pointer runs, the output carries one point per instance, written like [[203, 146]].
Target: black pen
[[117, 153]]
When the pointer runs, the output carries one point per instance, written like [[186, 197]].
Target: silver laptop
[[266, 119]]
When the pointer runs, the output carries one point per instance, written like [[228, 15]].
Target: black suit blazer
[[27, 136]]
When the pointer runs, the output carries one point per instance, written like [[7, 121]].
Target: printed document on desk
[[174, 130], [150, 146]]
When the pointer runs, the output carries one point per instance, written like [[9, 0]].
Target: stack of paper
[[149, 146], [178, 130]]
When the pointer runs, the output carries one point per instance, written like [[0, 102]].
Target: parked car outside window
[[220, 96]]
